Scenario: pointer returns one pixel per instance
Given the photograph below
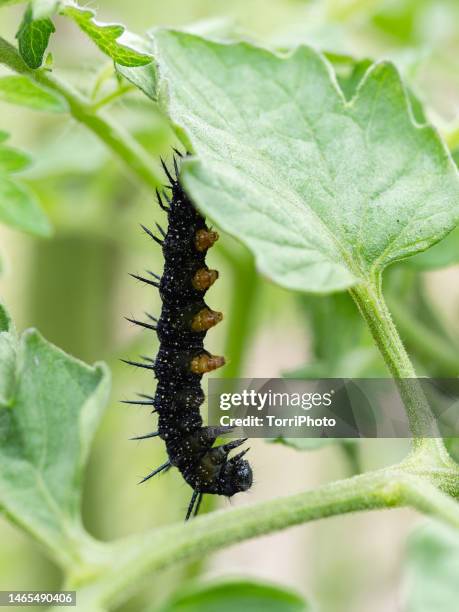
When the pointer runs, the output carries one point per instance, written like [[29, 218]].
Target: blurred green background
[[75, 288]]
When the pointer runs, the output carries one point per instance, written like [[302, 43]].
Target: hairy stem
[[372, 306], [115, 138], [136, 557]]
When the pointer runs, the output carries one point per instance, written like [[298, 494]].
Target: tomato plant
[[331, 176]]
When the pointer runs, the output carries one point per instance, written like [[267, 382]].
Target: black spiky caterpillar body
[[182, 360]]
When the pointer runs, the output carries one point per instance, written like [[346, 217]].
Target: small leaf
[[45, 432], [432, 568], [12, 160], [326, 192], [105, 36], [18, 205], [246, 595], [20, 209], [19, 89], [33, 37], [143, 77]]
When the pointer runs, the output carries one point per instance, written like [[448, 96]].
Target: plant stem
[[118, 140], [139, 556], [109, 98], [372, 306]]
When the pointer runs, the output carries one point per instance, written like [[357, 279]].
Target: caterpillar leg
[[196, 498], [198, 504]]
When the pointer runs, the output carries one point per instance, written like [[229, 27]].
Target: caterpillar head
[[235, 475]]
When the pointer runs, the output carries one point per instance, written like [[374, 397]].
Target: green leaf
[[443, 254], [12, 160], [33, 37], [19, 89], [20, 209], [432, 568], [105, 36], [46, 427], [142, 77], [229, 596], [325, 192]]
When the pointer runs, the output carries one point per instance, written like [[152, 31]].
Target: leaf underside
[[50, 405], [326, 192]]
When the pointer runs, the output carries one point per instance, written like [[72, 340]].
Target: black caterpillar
[[182, 359]]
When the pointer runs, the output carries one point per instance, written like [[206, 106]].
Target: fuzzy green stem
[[139, 556], [372, 306], [115, 138]]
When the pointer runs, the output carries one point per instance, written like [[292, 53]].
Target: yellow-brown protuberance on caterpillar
[[204, 278], [206, 363], [204, 239], [205, 319]]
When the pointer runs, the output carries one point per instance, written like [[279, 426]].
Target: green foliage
[[19, 207], [106, 36], [33, 37], [337, 191], [50, 406], [12, 160], [329, 176], [143, 77], [20, 90], [431, 570], [237, 595]]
